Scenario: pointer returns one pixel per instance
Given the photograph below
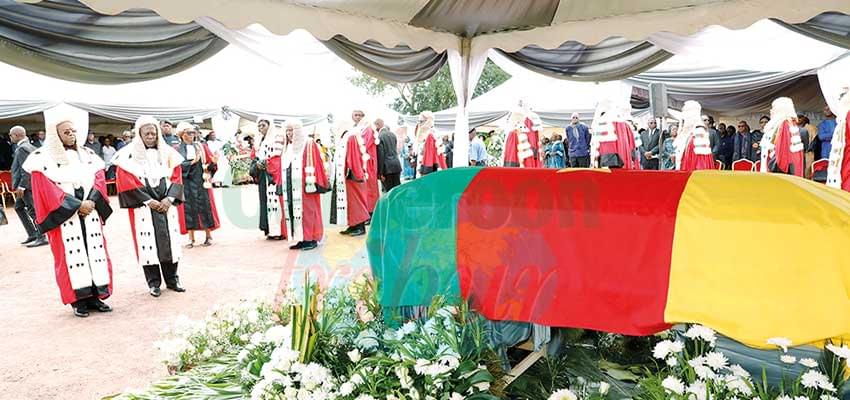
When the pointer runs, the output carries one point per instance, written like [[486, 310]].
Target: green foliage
[[434, 94]]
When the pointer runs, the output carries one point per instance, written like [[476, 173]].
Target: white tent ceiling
[[504, 24], [314, 84]]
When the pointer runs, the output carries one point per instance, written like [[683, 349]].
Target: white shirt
[[190, 151]]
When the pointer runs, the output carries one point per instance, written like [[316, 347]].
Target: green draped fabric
[[412, 240]]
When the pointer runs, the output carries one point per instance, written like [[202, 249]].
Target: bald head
[[379, 124], [17, 133]]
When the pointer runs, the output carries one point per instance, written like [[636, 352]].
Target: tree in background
[[434, 94]]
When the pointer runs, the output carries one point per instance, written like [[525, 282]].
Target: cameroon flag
[[750, 255]]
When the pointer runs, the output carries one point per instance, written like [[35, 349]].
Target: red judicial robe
[[80, 259], [310, 180], [156, 236], [432, 158], [202, 209], [787, 154], [351, 174], [371, 141], [697, 154], [618, 147]]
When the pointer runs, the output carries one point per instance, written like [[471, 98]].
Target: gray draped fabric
[[306, 119], [737, 92], [132, 113], [67, 40], [397, 64], [829, 27], [489, 15], [445, 121], [19, 108], [611, 59]]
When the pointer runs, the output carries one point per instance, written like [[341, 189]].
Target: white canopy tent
[[467, 30], [314, 87]]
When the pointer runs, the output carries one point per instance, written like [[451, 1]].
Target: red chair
[[757, 167], [743, 165], [718, 164], [6, 187], [819, 169]]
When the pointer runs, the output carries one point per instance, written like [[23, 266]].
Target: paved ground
[[47, 353]]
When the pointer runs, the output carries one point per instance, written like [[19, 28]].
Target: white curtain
[[833, 79], [466, 69]]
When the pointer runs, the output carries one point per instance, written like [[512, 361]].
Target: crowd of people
[[164, 176]]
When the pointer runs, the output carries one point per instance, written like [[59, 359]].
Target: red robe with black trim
[[372, 192], [431, 159], [845, 160], [311, 202], [624, 146], [275, 171], [207, 161], [80, 257], [155, 235], [787, 161], [355, 182]]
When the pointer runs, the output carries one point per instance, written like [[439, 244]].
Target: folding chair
[[743, 165], [718, 164], [757, 167], [818, 170], [6, 187]]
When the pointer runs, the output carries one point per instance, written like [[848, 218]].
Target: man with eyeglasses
[[744, 140], [713, 135], [577, 142]]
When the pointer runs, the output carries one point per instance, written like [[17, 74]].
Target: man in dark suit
[[21, 182], [651, 140], [389, 165]]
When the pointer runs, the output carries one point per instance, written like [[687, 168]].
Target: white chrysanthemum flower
[[662, 349], [278, 334], [738, 384], [673, 384], [809, 362], [785, 358], [704, 372], [841, 352], [828, 397], [672, 362], [677, 347], [406, 329], [354, 356], [699, 332], [716, 360], [256, 338], [456, 396], [816, 380], [698, 390], [563, 394], [781, 342], [784, 397], [364, 397], [738, 370]]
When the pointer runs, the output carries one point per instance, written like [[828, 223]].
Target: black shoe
[[29, 240], [207, 243], [155, 292], [81, 312], [39, 242], [358, 232], [99, 306], [347, 231], [176, 287], [297, 246], [309, 245]]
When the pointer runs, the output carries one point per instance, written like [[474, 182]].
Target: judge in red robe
[[71, 206], [522, 145], [613, 143], [782, 148], [693, 145], [197, 211], [150, 186], [371, 141], [350, 198], [838, 174], [431, 154], [271, 180], [307, 180]]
